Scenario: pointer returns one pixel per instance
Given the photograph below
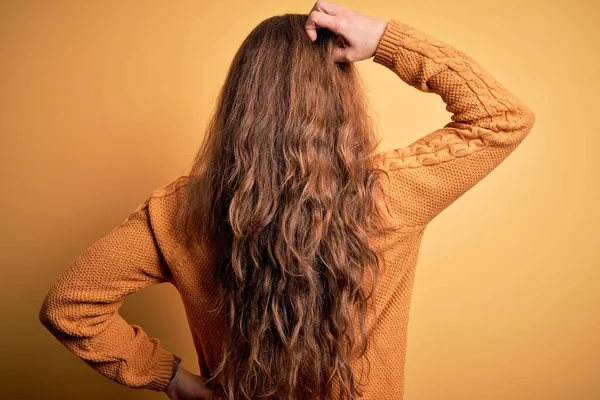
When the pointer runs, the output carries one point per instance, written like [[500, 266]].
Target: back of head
[[283, 191]]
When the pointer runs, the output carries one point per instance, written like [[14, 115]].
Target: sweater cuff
[[394, 32], [161, 375]]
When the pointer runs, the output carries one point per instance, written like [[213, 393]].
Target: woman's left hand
[[187, 386]]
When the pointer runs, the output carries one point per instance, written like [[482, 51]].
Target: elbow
[[47, 313], [51, 314], [529, 118], [524, 124], [528, 122], [526, 117], [67, 316]]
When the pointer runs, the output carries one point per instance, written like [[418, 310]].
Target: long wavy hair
[[284, 190]]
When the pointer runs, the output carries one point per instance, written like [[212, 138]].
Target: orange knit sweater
[[488, 123]]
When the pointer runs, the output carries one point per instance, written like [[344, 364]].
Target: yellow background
[[103, 101]]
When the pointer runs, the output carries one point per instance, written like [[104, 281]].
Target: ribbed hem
[[161, 375], [392, 38]]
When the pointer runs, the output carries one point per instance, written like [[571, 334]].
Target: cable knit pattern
[[488, 123]]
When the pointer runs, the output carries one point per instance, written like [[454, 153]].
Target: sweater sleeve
[[81, 308], [488, 123]]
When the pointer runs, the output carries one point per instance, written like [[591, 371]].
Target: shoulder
[[171, 188], [163, 205], [168, 198]]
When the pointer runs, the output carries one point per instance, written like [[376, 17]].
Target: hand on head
[[361, 33]]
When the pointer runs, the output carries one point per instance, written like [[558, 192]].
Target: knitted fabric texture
[[488, 123]]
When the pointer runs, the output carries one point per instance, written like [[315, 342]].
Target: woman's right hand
[[361, 33]]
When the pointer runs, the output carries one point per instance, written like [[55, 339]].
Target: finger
[[315, 7], [311, 28], [317, 19], [329, 8], [340, 55]]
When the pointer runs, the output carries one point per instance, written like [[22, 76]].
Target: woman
[[292, 245]]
